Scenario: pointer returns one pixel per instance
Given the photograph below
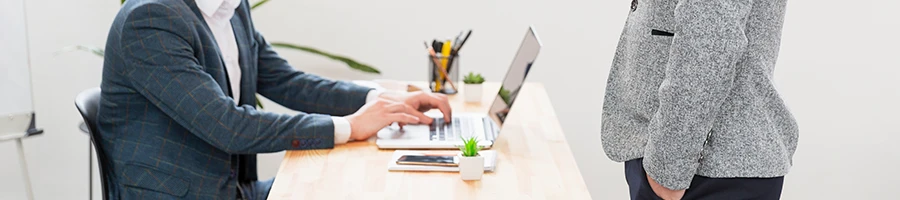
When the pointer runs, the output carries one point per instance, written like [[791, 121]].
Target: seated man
[[176, 114]]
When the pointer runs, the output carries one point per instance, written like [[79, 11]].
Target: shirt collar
[[210, 7]]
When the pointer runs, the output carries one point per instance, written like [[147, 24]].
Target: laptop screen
[[515, 77]]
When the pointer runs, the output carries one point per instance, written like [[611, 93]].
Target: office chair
[[87, 103]]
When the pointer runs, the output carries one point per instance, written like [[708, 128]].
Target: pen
[[459, 47], [455, 52], [437, 67], [457, 40]]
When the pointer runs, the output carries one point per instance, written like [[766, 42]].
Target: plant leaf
[[257, 4], [350, 62], [470, 146], [259, 103], [473, 78], [95, 50]]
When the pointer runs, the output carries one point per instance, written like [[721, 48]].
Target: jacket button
[[634, 5], [295, 143]]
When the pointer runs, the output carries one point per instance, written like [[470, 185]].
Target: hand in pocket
[[663, 192]]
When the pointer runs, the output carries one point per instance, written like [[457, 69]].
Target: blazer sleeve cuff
[[671, 174], [316, 132]]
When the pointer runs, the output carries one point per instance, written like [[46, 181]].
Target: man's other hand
[[375, 115], [423, 102], [663, 192]]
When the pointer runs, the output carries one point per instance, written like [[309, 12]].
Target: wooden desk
[[535, 162]]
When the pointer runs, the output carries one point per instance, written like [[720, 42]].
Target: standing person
[[690, 104]]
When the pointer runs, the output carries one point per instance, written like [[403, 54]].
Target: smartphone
[[447, 161]]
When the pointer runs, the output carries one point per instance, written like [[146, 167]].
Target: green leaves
[[95, 50], [350, 62], [473, 78], [257, 4], [470, 147], [259, 103]]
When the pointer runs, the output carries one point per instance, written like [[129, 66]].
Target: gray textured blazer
[[691, 91]]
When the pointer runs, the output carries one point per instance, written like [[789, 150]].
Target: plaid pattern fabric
[[166, 117]]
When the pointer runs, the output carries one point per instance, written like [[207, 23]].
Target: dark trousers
[[254, 190], [703, 188]]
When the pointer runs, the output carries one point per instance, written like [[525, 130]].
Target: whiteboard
[[16, 105]]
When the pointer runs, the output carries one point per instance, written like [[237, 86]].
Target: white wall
[[838, 71]]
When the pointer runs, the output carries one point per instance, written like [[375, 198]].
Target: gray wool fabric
[[691, 91]]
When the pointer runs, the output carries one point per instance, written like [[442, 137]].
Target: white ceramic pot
[[473, 93], [471, 168]]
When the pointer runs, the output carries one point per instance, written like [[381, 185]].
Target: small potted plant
[[473, 88], [471, 164]]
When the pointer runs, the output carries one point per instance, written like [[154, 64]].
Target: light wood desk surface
[[534, 162]]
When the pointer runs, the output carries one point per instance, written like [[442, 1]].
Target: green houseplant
[[473, 78], [473, 87], [471, 163], [353, 64]]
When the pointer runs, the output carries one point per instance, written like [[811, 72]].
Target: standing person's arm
[[709, 39]]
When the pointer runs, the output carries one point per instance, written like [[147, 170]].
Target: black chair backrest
[[88, 102]]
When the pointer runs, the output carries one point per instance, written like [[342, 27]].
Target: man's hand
[[374, 116], [663, 192], [422, 102], [403, 108]]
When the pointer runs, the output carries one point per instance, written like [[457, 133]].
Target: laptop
[[485, 126]]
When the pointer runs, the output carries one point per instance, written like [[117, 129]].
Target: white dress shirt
[[218, 14]]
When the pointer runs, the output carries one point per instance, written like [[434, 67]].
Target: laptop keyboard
[[443, 131]]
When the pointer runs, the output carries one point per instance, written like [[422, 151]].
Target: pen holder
[[438, 83]]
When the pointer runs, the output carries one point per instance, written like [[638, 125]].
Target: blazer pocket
[[154, 180], [661, 33]]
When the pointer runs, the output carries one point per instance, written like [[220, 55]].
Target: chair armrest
[[33, 132]]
